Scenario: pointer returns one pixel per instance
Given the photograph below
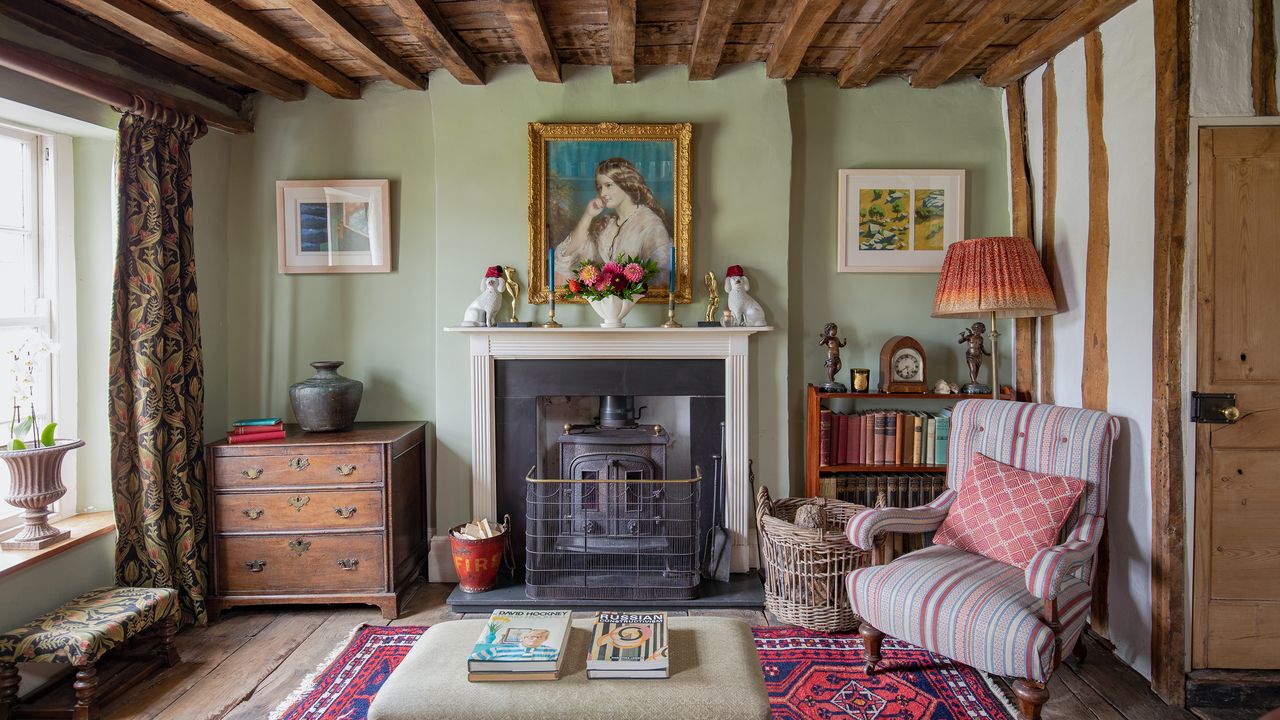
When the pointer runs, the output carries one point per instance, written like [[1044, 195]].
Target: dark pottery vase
[[326, 401]]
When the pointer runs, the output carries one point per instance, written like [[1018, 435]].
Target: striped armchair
[[996, 617]]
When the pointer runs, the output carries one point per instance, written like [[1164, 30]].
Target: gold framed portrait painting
[[604, 190]]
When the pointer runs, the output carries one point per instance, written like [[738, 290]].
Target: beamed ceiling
[[225, 49]]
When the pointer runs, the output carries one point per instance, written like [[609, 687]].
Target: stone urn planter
[[36, 484], [612, 310]]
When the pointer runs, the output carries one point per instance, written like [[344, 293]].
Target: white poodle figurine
[[483, 311], [746, 311]]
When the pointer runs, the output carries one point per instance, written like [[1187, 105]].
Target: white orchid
[[23, 355]]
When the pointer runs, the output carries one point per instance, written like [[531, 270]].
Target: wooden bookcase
[[814, 399]]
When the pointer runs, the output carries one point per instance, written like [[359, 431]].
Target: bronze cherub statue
[[832, 363], [973, 356]]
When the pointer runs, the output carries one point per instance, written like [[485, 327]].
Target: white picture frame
[[898, 220], [333, 226]]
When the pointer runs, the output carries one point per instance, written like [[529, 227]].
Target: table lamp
[[996, 277]]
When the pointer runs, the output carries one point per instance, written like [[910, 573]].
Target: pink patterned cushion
[[1008, 514]]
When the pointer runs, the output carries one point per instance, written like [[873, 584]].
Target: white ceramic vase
[[613, 309]]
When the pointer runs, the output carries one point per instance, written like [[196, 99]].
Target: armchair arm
[[864, 526], [1050, 566]]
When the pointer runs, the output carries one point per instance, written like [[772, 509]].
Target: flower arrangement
[[22, 358], [626, 277]]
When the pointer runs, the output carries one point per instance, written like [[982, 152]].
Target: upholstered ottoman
[[79, 633], [715, 674]]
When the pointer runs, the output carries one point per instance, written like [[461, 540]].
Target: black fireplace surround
[[518, 385]]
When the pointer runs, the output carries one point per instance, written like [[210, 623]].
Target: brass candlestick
[[551, 314], [671, 310]]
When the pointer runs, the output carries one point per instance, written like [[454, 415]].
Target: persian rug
[[809, 676]]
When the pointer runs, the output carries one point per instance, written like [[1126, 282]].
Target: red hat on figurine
[[734, 271], [493, 271]]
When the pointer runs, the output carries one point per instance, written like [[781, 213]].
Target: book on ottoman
[[520, 645], [628, 645]]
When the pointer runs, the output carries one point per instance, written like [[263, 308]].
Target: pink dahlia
[[613, 268], [601, 283], [588, 273], [633, 272]]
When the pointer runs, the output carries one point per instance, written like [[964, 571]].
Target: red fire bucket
[[477, 561]]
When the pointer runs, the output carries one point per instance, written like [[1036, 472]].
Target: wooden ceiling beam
[[968, 40], [176, 43], [622, 40], [531, 34], [61, 24], [335, 23], [797, 32], [107, 88], [268, 41], [714, 20], [1074, 23], [884, 44], [423, 20]]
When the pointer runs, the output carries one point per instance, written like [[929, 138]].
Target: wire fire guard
[[612, 539]]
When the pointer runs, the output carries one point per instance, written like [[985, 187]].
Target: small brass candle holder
[[671, 314], [551, 323]]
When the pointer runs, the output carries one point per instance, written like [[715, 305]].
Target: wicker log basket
[[805, 568]]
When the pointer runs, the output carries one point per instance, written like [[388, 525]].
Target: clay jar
[[326, 401]]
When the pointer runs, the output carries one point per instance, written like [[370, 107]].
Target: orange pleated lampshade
[[993, 274]]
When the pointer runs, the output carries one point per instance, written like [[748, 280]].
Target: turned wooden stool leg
[[871, 639], [9, 682], [1031, 697], [168, 629], [86, 687]]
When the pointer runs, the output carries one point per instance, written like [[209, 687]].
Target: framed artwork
[[604, 190], [333, 226], [898, 220]]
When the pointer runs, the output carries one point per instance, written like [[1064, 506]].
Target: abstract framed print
[[333, 226], [898, 220]]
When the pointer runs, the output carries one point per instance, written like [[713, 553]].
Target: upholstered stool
[[79, 633]]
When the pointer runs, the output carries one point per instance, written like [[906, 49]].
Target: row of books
[[895, 490], [883, 437], [250, 430], [531, 644]]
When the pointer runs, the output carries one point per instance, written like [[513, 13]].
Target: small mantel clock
[[902, 366]]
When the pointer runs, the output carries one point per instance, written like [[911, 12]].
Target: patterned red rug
[[810, 676]]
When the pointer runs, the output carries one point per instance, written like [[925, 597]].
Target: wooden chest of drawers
[[320, 517]]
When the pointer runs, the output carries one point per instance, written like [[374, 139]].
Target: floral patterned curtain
[[156, 373]]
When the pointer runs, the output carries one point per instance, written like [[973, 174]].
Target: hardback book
[[246, 422], [944, 432], [899, 437], [868, 438], [511, 676], [521, 641], [824, 437], [877, 457], [628, 645], [855, 439], [255, 429], [930, 439], [235, 439], [917, 439]]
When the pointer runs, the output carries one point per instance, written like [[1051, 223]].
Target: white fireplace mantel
[[727, 344]]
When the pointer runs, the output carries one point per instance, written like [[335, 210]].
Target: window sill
[[84, 527]]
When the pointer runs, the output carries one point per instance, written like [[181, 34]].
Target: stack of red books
[[256, 430]]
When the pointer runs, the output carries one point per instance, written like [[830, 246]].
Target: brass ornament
[[713, 295], [512, 288]]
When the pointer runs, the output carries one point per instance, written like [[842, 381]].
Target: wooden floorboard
[[246, 665]]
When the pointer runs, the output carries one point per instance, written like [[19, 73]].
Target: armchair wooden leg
[[1080, 651], [9, 682], [1031, 697], [168, 651], [86, 687], [871, 639]]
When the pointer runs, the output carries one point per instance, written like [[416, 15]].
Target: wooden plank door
[[1236, 576]]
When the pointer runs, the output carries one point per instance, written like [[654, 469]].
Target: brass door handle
[[299, 463], [348, 563], [299, 546], [1232, 413], [253, 474], [298, 501], [255, 565], [345, 470], [345, 512], [253, 513]]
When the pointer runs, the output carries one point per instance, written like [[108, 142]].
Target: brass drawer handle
[[345, 470], [297, 501], [348, 563], [299, 463], [299, 546], [253, 513], [345, 512], [253, 474], [255, 565]]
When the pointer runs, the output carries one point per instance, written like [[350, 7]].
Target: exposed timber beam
[[335, 23], [268, 41], [1024, 329], [53, 20], [970, 39], [1049, 222], [103, 87], [714, 20], [884, 44], [1074, 23], [1262, 73], [423, 20], [622, 40], [531, 34], [176, 43], [795, 35]]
